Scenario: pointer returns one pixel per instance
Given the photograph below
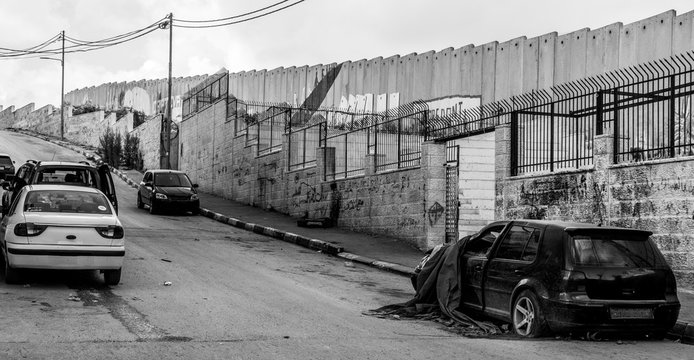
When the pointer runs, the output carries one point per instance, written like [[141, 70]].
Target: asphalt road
[[238, 295]]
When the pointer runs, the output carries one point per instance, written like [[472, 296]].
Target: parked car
[[6, 167], [62, 227], [168, 189], [559, 277], [61, 172]]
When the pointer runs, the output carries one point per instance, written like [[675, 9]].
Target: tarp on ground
[[438, 294]]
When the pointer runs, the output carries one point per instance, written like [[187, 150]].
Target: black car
[[60, 172], [6, 167], [545, 276], [168, 189]]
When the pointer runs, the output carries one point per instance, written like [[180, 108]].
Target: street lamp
[[62, 85]]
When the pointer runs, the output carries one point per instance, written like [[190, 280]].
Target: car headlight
[[194, 197], [161, 196]]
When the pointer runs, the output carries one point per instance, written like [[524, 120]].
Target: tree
[[110, 148]]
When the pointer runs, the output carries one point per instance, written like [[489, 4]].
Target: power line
[[235, 16], [237, 21]]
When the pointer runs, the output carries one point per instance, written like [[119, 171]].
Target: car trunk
[[625, 284], [72, 229]]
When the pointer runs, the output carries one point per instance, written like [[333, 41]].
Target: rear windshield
[[606, 250], [80, 176], [171, 179], [5, 161], [66, 201]]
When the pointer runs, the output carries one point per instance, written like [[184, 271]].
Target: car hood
[[176, 191]]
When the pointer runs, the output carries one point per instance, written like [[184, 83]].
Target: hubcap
[[524, 316]]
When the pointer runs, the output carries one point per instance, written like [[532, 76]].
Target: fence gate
[[452, 203]]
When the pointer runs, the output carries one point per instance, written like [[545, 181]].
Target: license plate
[[631, 313]]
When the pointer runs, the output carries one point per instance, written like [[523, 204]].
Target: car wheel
[[112, 277], [11, 274], [195, 211], [152, 210], [527, 315], [140, 205]]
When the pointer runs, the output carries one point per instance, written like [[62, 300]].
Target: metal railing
[[397, 140]]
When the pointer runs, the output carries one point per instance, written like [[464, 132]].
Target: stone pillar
[[502, 167], [603, 155], [434, 173]]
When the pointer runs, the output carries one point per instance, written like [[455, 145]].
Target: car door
[[146, 188], [510, 264], [472, 264], [106, 185]]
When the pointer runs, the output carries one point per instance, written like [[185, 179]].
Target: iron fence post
[[671, 101], [551, 138], [598, 115], [615, 143], [514, 143]]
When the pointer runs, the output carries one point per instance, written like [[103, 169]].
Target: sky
[[309, 33]]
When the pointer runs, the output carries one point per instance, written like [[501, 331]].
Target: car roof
[[4, 155], [161, 171], [64, 163], [51, 187], [574, 226]]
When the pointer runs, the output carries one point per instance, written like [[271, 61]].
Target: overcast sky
[[312, 32]]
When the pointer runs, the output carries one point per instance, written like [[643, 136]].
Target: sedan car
[[62, 227], [6, 167], [168, 189]]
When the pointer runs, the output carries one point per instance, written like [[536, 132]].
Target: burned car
[[558, 277]]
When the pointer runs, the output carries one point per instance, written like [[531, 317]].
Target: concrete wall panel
[[502, 82], [461, 70], [487, 82], [443, 74], [423, 75], [683, 33], [516, 49], [531, 64]]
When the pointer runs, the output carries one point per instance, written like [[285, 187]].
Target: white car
[[62, 227]]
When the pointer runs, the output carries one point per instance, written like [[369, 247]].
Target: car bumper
[[563, 317], [177, 205], [65, 257]]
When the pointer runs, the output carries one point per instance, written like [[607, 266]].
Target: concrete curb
[[682, 332]]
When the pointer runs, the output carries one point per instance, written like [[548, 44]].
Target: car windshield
[[66, 201], [82, 177], [606, 250], [171, 179]]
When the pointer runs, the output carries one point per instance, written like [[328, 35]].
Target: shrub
[[110, 148]]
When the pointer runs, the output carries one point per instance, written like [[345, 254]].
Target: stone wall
[[149, 135], [651, 195], [406, 204]]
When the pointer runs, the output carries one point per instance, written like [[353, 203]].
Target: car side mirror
[[5, 185], [195, 185]]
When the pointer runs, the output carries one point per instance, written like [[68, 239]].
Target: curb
[[682, 332]]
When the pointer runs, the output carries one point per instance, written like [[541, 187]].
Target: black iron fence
[[397, 140]]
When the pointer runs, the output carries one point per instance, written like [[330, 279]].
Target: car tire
[[11, 274], [195, 211], [112, 277], [526, 315], [140, 205]]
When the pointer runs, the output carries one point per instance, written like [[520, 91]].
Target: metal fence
[[347, 137], [397, 142], [651, 118]]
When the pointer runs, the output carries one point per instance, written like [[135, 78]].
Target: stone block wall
[[651, 195], [149, 134]]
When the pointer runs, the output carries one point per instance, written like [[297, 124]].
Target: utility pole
[[62, 85], [167, 119], [62, 89]]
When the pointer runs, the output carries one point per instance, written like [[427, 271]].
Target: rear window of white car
[[66, 201]]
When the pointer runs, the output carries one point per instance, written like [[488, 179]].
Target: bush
[[132, 156], [110, 148]]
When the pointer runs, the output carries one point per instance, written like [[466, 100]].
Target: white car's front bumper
[[65, 257]]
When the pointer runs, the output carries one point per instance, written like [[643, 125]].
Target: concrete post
[[502, 167], [602, 157], [434, 172]]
